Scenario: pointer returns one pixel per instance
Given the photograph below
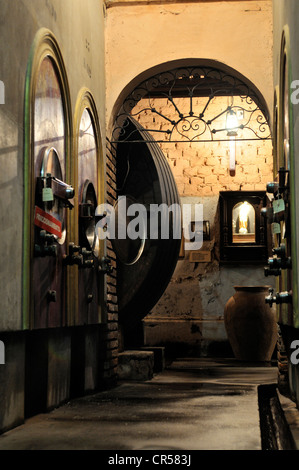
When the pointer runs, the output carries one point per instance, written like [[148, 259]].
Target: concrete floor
[[194, 404]]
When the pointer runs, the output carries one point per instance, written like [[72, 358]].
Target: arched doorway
[[200, 115]]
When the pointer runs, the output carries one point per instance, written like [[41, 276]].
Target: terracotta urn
[[250, 324]]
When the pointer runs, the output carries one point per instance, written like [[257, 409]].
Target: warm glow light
[[243, 217], [231, 123], [231, 126]]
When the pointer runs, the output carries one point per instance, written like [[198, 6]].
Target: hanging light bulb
[[232, 155], [231, 123], [231, 126]]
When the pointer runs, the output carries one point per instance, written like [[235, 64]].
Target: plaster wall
[[141, 36]]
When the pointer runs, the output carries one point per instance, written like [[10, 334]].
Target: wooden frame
[[253, 252]]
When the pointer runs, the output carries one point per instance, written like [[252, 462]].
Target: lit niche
[[243, 229]]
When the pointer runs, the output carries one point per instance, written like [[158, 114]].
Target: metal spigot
[[279, 298], [270, 299], [51, 187], [89, 298], [272, 272], [105, 265], [280, 263], [41, 251], [74, 256], [52, 296], [272, 188], [62, 189], [87, 261], [47, 237], [280, 251], [284, 298], [86, 210], [47, 247]]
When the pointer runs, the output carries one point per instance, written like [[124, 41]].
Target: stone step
[[135, 365]]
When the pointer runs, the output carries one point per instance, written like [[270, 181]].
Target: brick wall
[[110, 335], [202, 168], [195, 297]]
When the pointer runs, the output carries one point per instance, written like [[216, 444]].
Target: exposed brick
[[253, 158], [111, 280], [112, 308], [204, 171], [112, 298], [207, 191], [112, 317], [112, 326], [112, 344], [211, 179], [111, 289]]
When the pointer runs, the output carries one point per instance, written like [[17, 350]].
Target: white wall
[[143, 35]]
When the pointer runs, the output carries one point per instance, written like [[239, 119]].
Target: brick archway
[[146, 82], [201, 171]]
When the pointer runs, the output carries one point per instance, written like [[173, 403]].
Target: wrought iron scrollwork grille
[[191, 94]]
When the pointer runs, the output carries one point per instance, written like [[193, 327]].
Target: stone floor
[[193, 404]]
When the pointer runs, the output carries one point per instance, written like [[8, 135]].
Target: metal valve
[[47, 237], [280, 186], [51, 187], [86, 210], [272, 272], [74, 256], [280, 263], [280, 251], [280, 260], [272, 188], [279, 298], [79, 256], [105, 266], [60, 188], [41, 251], [47, 247], [87, 261], [52, 296]]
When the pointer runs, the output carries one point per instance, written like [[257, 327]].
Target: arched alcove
[[190, 311], [159, 78]]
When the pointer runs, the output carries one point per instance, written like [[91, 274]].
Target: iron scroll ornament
[[196, 123]]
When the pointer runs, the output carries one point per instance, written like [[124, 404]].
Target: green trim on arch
[[86, 101]]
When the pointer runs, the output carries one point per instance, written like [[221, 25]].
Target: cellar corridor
[[149, 228], [193, 404]]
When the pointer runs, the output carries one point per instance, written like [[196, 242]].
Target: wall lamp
[[232, 126]]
